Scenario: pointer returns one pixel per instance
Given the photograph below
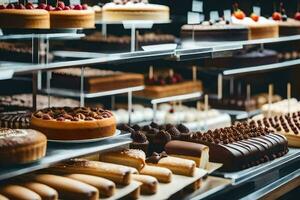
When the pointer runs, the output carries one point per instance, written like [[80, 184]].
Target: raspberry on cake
[[27, 17], [79, 123]]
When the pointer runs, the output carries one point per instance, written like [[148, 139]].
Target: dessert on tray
[[120, 10], [259, 26], [95, 80], [45, 16], [214, 31], [19, 120], [188, 150], [242, 146], [74, 16], [78, 123], [168, 85], [288, 124], [19, 16], [18, 146]]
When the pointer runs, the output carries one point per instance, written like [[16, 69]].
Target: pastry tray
[[123, 191], [264, 168], [60, 152], [209, 187], [166, 190]]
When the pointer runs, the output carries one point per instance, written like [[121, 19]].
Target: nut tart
[[18, 146], [79, 123]]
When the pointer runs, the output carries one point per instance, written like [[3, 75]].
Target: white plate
[[118, 132]]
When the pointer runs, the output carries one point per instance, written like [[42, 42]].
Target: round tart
[[21, 146], [24, 19], [121, 10], [80, 123]]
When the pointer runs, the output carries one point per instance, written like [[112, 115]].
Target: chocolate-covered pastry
[[189, 150], [242, 146], [161, 138], [287, 125], [15, 120], [139, 141]]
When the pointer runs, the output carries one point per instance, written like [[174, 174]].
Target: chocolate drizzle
[[156, 157]]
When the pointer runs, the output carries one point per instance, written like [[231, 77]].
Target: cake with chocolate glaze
[[242, 146], [95, 80], [120, 10], [288, 125], [18, 146], [78, 123], [19, 120], [219, 31]]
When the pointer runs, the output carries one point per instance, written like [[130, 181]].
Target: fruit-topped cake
[[73, 16], [259, 26], [287, 25], [158, 86], [19, 16], [78, 123], [214, 31], [120, 10]]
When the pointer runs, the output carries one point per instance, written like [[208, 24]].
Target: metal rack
[[57, 153]]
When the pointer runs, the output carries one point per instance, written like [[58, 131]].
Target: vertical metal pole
[[133, 38], [49, 73], [82, 87], [104, 30], [129, 106], [220, 86], [113, 102], [154, 112], [35, 45]]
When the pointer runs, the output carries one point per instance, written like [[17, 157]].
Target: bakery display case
[[125, 99]]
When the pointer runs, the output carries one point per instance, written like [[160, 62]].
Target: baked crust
[[72, 19], [74, 130], [19, 146], [29, 19]]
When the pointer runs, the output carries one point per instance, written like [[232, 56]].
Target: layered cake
[[244, 58], [77, 16], [97, 41], [19, 120], [288, 125], [281, 107], [168, 85], [220, 31], [95, 80], [24, 102], [78, 123], [98, 12], [16, 51], [242, 146], [259, 27], [18, 16], [19, 146], [120, 10]]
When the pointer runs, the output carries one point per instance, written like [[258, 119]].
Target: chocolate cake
[[19, 120], [242, 146], [99, 42], [238, 147], [208, 31], [288, 125], [95, 80]]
